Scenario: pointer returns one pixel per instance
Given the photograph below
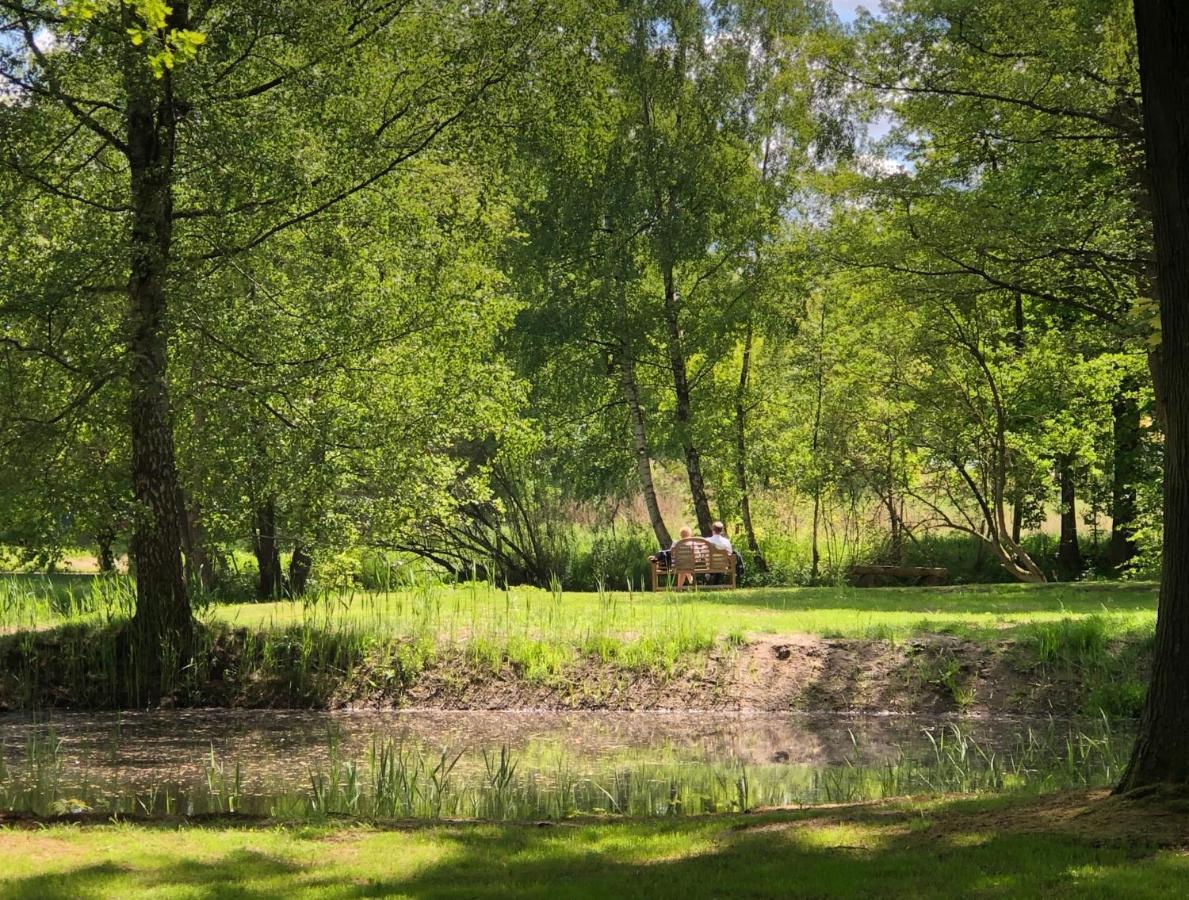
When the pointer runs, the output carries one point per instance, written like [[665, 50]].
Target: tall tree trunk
[[1069, 554], [197, 562], [627, 381], [758, 561], [683, 407], [666, 209], [1161, 751], [268, 557], [1125, 476], [106, 555], [815, 443], [815, 554], [162, 626], [992, 499], [887, 492], [300, 565], [1017, 503]]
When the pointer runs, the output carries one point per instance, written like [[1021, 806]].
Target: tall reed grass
[[395, 779]]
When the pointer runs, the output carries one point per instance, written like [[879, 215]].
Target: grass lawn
[[1056, 845], [476, 610], [978, 610]]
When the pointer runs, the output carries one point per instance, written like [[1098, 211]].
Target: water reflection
[[524, 764]]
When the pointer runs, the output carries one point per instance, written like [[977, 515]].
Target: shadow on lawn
[[996, 599], [856, 852]]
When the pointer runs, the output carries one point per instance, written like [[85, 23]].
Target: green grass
[[1012, 847], [541, 633], [459, 612], [475, 610]]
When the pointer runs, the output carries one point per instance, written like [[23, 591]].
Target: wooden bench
[[698, 557], [870, 576]]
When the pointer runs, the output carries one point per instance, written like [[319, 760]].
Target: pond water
[[524, 765]]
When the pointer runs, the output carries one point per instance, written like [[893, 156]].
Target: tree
[[1161, 751], [1023, 124], [137, 111], [660, 186]]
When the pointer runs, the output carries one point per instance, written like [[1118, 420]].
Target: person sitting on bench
[[666, 556], [718, 538]]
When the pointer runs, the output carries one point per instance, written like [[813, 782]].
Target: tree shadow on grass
[[995, 599], [853, 852], [242, 873]]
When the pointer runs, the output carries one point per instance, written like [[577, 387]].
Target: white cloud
[[871, 164], [44, 39]]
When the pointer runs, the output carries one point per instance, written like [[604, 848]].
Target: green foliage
[[476, 278]]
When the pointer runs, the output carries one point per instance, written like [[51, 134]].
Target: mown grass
[[1003, 847]]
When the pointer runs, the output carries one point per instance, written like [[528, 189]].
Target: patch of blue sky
[[847, 10]]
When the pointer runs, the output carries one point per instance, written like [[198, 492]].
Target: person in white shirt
[[718, 539]]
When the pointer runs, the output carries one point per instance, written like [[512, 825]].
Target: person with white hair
[[718, 538]]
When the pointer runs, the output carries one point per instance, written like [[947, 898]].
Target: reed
[[397, 779]]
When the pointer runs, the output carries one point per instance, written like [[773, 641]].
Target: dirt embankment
[[928, 674], [775, 673]]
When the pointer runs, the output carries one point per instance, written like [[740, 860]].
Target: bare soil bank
[[928, 674]]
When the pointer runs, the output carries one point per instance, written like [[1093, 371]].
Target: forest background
[[516, 295]]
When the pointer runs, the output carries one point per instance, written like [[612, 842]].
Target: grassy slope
[[544, 636], [1064, 845]]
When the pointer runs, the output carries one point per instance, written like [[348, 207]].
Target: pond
[[525, 765]]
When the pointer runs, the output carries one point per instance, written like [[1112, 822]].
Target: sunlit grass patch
[[1005, 847]]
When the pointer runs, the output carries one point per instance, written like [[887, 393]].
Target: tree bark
[[631, 393], [268, 557], [106, 555], [162, 626], [815, 556], [815, 444], [1069, 555], [197, 561], [1017, 512], [757, 558], [300, 565], [1125, 476], [683, 406], [1161, 753]]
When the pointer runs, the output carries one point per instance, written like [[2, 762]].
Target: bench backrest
[[699, 556]]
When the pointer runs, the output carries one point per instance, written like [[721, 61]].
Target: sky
[[846, 8]]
